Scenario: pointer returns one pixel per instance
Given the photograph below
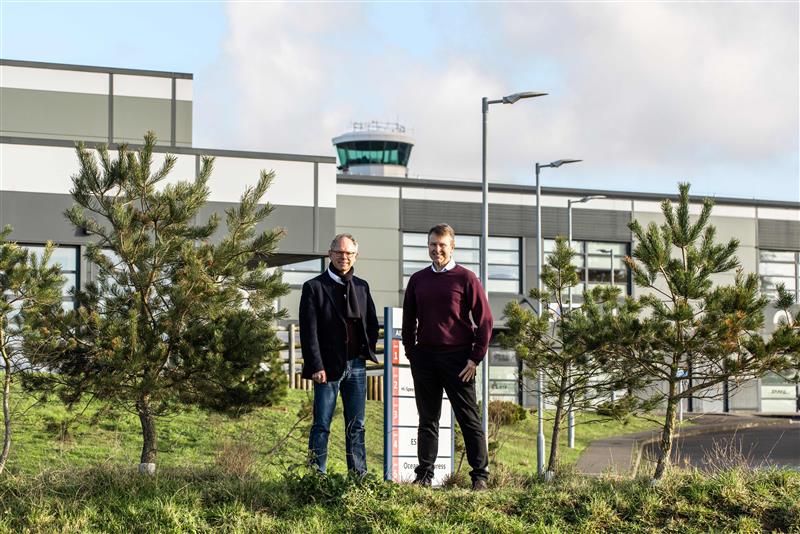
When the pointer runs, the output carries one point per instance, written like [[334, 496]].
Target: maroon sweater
[[437, 309]]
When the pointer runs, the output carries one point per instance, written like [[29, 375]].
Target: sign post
[[400, 412]]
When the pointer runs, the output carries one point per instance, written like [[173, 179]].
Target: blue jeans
[[353, 386]]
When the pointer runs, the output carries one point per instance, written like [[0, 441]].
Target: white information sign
[[401, 416]]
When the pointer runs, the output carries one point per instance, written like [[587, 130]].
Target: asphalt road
[[777, 445]]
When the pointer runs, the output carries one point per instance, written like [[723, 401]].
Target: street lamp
[[611, 252], [570, 202], [485, 102], [539, 258]]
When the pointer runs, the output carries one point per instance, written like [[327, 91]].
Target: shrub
[[506, 412]]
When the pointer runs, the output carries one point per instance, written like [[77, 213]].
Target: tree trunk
[[562, 396], [6, 412], [667, 434], [147, 463]]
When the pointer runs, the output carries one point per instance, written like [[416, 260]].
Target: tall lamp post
[[539, 256], [485, 102], [570, 202]]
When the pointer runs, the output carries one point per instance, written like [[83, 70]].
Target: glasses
[[343, 253]]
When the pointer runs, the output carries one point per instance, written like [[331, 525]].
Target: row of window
[[593, 263]]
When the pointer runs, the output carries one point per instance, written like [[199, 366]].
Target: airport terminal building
[[364, 190]]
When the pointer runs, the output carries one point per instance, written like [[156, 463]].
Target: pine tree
[[567, 345], [691, 327], [786, 337], [29, 286], [173, 317]]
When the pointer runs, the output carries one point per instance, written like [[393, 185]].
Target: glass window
[[468, 241], [504, 259], [774, 255], [593, 266], [68, 259], [779, 267], [620, 249], [295, 274]]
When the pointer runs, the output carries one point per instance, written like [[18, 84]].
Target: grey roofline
[[88, 68], [554, 191], [174, 150]]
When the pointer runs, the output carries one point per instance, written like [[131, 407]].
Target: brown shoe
[[479, 485]]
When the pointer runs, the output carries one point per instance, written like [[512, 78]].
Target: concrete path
[[621, 455]]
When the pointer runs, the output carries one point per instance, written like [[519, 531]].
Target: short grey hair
[[339, 237]]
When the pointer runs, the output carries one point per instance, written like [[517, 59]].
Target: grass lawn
[[70, 473], [48, 435]]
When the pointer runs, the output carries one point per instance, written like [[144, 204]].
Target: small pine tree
[[29, 286], [172, 317], [786, 337], [567, 345], [691, 326]]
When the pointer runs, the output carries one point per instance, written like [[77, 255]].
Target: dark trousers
[[433, 373]]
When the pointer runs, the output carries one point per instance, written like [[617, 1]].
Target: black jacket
[[323, 334]]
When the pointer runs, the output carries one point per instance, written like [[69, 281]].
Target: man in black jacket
[[338, 332]]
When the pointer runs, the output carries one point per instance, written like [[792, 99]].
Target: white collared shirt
[[450, 265], [336, 278]]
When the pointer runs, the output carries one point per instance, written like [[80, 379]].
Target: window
[[295, 274], [503, 261], [68, 259], [593, 263], [778, 267]]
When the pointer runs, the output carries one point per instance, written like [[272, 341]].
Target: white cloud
[[667, 91]]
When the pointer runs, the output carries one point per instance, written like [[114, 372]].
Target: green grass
[[517, 442], [48, 435], [105, 499], [217, 474]]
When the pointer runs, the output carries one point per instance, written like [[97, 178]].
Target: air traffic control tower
[[374, 149]]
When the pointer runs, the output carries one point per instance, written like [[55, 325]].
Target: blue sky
[[648, 94]]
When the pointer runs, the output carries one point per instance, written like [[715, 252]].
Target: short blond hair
[[443, 229]]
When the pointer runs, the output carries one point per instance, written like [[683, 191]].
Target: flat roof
[[552, 191], [173, 149], [89, 68]]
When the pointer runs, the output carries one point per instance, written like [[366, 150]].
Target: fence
[[374, 371]]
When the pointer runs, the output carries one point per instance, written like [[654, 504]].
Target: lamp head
[[559, 162], [510, 99]]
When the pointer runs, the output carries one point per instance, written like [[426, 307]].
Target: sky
[[648, 94]]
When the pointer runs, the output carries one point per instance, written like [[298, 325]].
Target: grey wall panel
[[291, 303], [780, 235], [597, 225], [374, 243], [183, 123], [420, 215], [38, 217], [135, 116], [381, 274], [53, 115], [296, 220], [506, 220], [367, 212]]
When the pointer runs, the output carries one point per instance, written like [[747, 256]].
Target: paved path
[[621, 455], [775, 445]]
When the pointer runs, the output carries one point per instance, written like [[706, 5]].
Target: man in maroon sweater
[[447, 324]]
